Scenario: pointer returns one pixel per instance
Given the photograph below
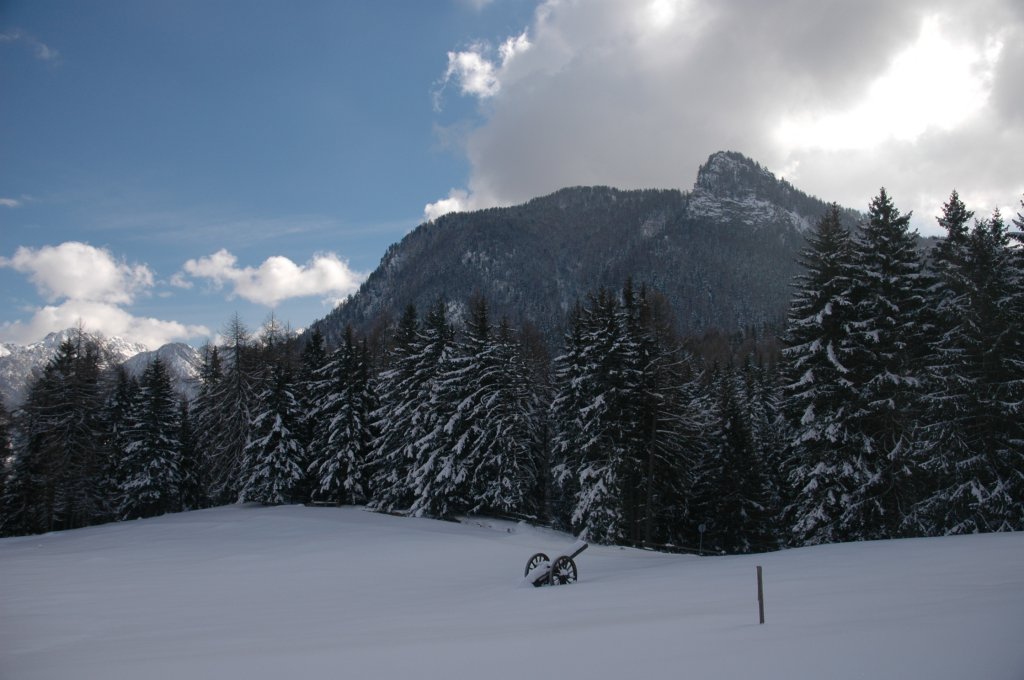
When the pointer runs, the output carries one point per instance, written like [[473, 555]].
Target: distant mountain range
[[21, 364], [724, 253]]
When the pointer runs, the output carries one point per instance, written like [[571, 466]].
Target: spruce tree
[[971, 443], [55, 480], [150, 472], [730, 485], [225, 409], [342, 435], [819, 387], [436, 476], [598, 429], [392, 454], [272, 467], [191, 487], [889, 346]]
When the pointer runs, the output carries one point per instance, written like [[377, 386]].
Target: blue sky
[[164, 165]]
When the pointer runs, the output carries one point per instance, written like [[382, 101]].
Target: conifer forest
[[889, 403]]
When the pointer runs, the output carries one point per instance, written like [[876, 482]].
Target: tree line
[[894, 409]]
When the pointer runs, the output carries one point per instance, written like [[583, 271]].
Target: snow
[[261, 592]]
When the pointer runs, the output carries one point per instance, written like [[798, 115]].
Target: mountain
[[724, 253], [182, 361], [21, 364]]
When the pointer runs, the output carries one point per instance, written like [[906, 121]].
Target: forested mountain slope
[[724, 253]]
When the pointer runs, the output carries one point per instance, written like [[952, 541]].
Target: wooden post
[[760, 594]]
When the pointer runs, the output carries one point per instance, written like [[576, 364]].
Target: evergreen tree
[[55, 477], [598, 430], [819, 387], [392, 455], [225, 408], [204, 411], [889, 345], [971, 444], [491, 432], [190, 461], [342, 436], [436, 476], [730, 485], [150, 472], [5, 458], [272, 467]]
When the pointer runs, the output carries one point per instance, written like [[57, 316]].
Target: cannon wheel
[[563, 571], [534, 562]]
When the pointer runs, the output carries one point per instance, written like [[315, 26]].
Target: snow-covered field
[[292, 592]]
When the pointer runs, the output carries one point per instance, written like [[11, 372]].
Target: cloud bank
[[277, 279], [86, 284], [920, 96]]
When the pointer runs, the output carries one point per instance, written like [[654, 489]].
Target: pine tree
[[190, 461], [342, 436], [56, 474], [597, 421], [730, 485], [491, 432], [150, 472], [819, 387], [435, 477], [889, 344], [392, 455], [224, 412], [273, 460], [5, 457], [507, 479], [971, 444]]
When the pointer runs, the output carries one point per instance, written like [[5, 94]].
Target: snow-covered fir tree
[[191, 488], [435, 477], [404, 459], [492, 428], [971, 442], [391, 456], [730, 485], [149, 472], [888, 346], [596, 420], [55, 477], [819, 388], [273, 461], [342, 435], [225, 410]]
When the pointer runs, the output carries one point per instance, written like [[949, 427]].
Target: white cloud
[[910, 98], [457, 201], [108, 319], [920, 96], [10, 202], [278, 278], [41, 50], [79, 271], [86, 284], [475, 73]]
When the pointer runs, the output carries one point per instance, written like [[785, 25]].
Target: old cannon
[[540, 570]]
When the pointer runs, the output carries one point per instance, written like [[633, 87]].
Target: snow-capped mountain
[[182, 362], [20, 364]]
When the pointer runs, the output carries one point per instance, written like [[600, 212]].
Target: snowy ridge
[[182, 361], [187, 596], [21, 364], [734, 189]]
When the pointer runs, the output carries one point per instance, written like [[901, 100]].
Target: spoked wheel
[[563, 571], [534, 562]]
